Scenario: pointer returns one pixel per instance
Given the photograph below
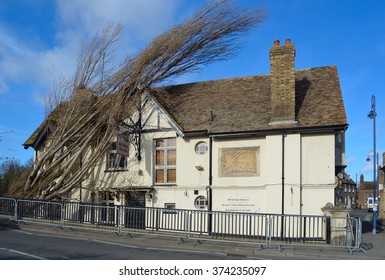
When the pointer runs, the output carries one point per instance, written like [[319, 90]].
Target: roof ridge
[[242, 77]]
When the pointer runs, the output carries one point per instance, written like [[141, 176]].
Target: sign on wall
[[238, 204], [239, 162], [122, 146]]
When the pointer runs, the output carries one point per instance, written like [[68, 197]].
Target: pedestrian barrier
[[8, 207], [197, 225], [42, 212], [91, 216]]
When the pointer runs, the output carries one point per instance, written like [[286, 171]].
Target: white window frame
[[115, 161], [169, 208], [165, 167], [200, 202]]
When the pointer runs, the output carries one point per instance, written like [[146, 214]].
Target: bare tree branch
[[86, 109]]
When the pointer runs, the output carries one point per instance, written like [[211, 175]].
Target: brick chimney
[[282, 83]]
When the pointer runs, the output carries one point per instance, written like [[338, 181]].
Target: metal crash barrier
[[42, 212], [91, 216], [256, 228], [8, 208]]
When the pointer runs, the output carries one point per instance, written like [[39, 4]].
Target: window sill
[[165, 185], [115, 170]]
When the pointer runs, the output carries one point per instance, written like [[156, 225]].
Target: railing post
[[359, 232], [157, 219], [62, 215], [15, 210], [328, 230], [268, 229], [120, 218], [304, 229], [187, 224]]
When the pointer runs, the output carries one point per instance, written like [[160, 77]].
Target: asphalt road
[[27, 242], [22, 245]]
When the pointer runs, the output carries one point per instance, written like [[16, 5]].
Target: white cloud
[[144, 17], [24, 61]]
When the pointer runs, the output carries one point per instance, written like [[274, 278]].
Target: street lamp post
[[372, 115]]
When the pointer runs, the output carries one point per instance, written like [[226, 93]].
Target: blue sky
[[40, 40]]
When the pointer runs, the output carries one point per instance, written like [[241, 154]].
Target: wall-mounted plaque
[[239, 162]]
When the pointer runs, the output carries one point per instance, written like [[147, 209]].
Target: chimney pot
[[276, 43], [288, 41]]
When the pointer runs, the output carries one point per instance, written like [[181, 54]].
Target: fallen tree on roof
[[85, 111]]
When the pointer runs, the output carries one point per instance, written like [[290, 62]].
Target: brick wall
[[282, 82]]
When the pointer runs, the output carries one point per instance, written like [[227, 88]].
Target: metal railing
[[256, 228], [8, 207]]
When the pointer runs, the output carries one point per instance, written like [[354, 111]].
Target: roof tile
[[243, 104]]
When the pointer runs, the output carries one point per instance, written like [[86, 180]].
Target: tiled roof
[[51, 119], [243, 104], [41, 130], [366, 186], [32, 138]]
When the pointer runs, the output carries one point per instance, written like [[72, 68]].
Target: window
[[200, 202], [165, 161], [169, 205], [339, 148], [115, 161], [169, 208], [201, 148]]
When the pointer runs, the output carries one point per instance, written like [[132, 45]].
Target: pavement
[[373, 245]]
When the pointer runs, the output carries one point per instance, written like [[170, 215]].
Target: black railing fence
[[262, 229]]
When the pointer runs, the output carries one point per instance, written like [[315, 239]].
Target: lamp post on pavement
[[372, 115]]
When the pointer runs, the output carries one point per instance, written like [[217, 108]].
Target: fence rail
[[256, 228], [8, 207]]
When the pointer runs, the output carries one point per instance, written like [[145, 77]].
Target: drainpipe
[[210, 162], [283, 182], [208, 188], [80, 187], [300, 176], [283, 173]]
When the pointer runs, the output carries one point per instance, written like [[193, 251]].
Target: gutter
[[314, 129]]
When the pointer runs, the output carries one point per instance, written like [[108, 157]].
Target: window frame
[[164, 166], [201, 202], [169, 208], [120, 166]]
